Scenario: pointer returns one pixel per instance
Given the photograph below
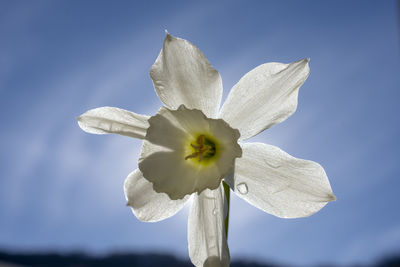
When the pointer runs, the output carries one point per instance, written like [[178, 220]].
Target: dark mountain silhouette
[[8, 259]]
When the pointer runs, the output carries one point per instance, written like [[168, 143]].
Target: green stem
[[228, 198]]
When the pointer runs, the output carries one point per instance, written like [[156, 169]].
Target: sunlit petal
[[278, 183], [114, 120], [182, 75], [206, 230], [264, 96], [146, 204]]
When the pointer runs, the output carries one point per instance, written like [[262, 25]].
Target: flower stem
[[227, 194]]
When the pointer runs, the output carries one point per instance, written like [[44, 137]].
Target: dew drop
[[242, 188], [214, 212]]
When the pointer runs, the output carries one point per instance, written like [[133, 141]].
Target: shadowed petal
[[172, 174], [165, 159]]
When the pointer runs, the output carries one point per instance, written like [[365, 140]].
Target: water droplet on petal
[[214, 212], [242, 188]]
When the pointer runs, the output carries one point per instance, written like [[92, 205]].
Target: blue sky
[[62, 189]]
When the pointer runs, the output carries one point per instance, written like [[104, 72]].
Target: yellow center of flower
[[204, 149]]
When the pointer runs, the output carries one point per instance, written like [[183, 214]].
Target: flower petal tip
[[168, 36], [80, 123], [80, 117]]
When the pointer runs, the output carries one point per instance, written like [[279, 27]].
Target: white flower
[[190, 146]]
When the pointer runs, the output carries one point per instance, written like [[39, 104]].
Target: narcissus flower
[[190, 146]]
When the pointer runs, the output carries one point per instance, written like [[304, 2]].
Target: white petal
[[264, 96], [278, 183], [114, 120], [168, 142], [146, 204], [182, 75], [206, 230]]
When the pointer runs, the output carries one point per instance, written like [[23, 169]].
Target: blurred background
[[61, 189]]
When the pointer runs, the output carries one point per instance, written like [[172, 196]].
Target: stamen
[[195, 147], [200, 148]]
